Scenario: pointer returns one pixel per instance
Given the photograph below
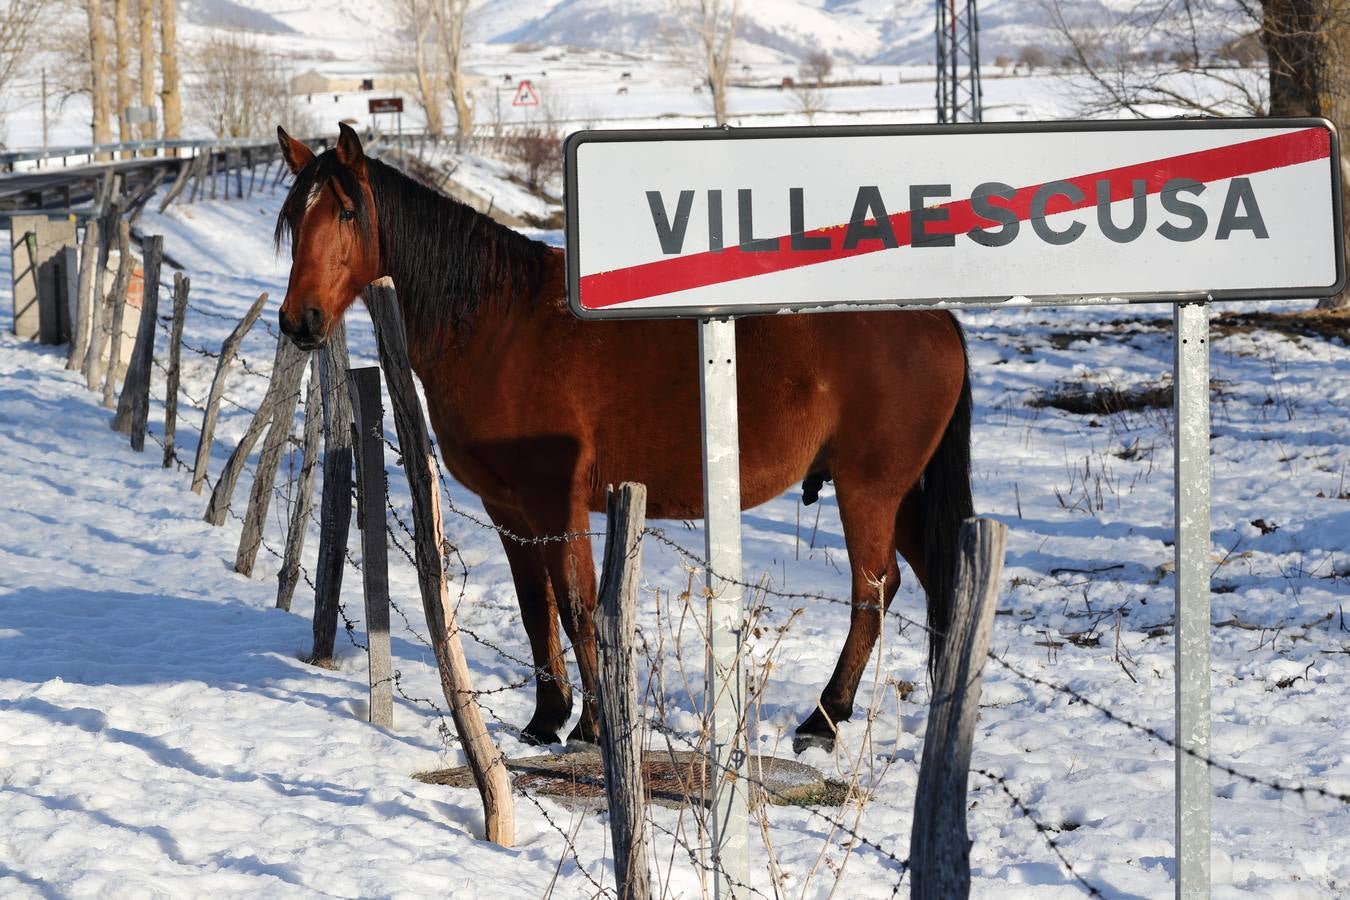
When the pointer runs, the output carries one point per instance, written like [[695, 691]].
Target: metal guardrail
[[9, 157]]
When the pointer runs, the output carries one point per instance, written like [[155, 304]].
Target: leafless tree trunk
[[146, 15], [98, 74], [122, 36], [168, 63], [450, 20], [709, 37], [416, 18]]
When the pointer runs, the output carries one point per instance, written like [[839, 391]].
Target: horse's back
[[814, 391]]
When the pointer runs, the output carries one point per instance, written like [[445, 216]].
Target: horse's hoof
[[803, 741], [584, 734], [537, 738]]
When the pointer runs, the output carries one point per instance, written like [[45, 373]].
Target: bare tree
[[1184, 36], [816, 66], [20, 33], [169, 92], [704, 41], [98, 74], [451, 17], [122, 37], [1307, 44], [417, 25], [243, 91], [146, 14], [1033, 56], [810, 99]]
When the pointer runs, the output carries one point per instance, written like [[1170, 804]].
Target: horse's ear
[[296, 154], [349, 151]]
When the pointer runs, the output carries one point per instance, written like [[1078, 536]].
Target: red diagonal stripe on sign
[[666, 276]]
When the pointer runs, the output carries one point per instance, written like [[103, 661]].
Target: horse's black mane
[[447, 260]]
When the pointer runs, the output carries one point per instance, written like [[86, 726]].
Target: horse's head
[[330, 218]]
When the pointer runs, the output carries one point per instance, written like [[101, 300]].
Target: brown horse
[[537, 411]]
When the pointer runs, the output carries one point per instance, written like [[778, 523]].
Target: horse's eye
[[346, 215]]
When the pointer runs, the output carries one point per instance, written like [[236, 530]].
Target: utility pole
[[44, 111], [959, 96]]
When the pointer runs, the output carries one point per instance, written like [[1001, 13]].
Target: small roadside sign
[[385, 105], [700, 222], [526, 95]]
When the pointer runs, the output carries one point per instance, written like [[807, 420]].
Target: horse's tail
[[946, 503]]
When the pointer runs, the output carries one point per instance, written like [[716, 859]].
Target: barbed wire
[[1045, 831], [536, 673]]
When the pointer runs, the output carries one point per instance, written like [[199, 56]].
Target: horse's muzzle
[[308, 332]]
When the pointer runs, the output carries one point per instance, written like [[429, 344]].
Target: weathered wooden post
[[335, 508], [365, 390], [283, 395], [68, 273], [620, 739], [304, 502], [84, 307], [179, 182], [287, 367], [419, 464], [939, 845], [118, 301], [181, 285], [110, 211], [198, 173], [133, 406], [212, 412]]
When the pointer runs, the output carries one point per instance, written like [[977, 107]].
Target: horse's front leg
[[572, 572], [539, 614]]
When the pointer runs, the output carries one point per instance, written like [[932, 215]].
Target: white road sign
[[719, 222]]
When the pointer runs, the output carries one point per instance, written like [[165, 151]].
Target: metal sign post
[[1190, 383], [711, 224], [724, 677]]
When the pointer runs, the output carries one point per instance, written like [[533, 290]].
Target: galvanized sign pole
[[726, 618], [1191, 527]]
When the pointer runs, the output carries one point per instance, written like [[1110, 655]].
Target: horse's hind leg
[[539, 614], [867, 512]]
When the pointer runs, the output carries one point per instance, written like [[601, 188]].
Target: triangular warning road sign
[[525, 95]]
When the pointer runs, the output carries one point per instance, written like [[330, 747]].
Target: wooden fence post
[[199, 172], [304, 502], [419, 465], [620, 737], [283, 393], [335, 508], [365, 391], [84, 308], [118, 299], [133, 406], [287, 367], [68, 272], [179, 182], [227, 351], [110, 205], [939, 845], [181, 285]]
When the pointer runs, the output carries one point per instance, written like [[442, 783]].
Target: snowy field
[[161, 736]]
